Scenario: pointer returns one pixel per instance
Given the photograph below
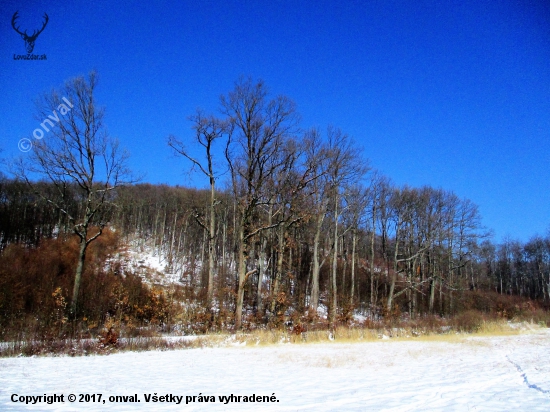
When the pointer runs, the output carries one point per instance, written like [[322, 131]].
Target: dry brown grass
[[84, 347], [349, 335], [415, 331]]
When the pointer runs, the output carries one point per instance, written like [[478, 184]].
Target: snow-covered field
[[504, 373]]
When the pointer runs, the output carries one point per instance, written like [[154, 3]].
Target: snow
[[499, 373], [147, 262]]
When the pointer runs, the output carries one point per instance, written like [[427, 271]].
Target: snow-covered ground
[[503, 373], [148, 262]]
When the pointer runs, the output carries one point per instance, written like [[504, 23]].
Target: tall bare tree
[[207, 130], [80, 159], [336, 164], [260, 128]]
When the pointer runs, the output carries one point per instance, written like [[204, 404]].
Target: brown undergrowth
[[118, 311]]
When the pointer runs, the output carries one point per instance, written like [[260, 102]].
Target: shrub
[[469, 321], [35, 285]]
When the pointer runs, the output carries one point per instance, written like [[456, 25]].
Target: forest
[[293, 230]]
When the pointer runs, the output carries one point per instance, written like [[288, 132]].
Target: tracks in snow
[[525, 380]]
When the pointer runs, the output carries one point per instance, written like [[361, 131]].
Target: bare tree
[[77, 156], [345, 169], [337, 164], [207, 130], [357, 200], [260, 128], [290, 198], [398, 210], [377, 211], [316, 160]]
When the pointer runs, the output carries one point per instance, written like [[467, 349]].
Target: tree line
[[292, 221]]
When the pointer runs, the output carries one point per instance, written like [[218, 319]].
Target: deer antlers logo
[[29, 40]]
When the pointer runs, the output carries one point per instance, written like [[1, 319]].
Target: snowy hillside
[[508, 373], [152, 263]]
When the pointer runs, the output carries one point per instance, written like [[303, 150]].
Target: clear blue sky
[[452, 94]]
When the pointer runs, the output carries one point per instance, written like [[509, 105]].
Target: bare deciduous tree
[[260, 128], [338, 166], [77, 156], [208, 129]]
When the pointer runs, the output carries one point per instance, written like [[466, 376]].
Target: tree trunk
[[353, 245], [78, 274], [211, 239], [262, 269], [394, 274], [432, 295], [279, 272], [372, 294], [262, 266], [314, 301], [334, 269], [241, 272]]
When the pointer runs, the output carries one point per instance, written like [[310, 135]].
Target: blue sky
[[443, 93]]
